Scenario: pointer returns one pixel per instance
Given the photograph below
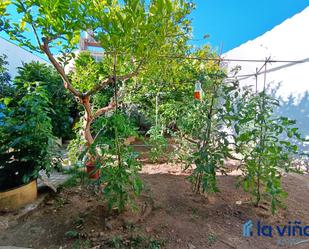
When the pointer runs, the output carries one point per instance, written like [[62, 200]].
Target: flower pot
[[18, 197], [93, 173]]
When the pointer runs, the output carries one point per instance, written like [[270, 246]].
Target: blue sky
[[233, 22]]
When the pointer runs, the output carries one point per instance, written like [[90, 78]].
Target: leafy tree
[[133, 35], [61, 103], [133, 31], [172, 82]]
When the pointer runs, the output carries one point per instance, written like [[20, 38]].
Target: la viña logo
[[291, 229]]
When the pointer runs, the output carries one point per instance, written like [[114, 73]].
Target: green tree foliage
[[85, 79], [172, 79], [62, 104], [26, 140], [135, 32], [133, 35]]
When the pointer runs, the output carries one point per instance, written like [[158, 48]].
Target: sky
[[229, 23], [233, 22]]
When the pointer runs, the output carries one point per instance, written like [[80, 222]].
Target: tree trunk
[[87, 120], [87, 133]]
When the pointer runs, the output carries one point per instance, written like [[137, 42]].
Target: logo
[[290, 234], [247, 228]]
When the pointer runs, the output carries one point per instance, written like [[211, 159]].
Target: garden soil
[[167, 215]]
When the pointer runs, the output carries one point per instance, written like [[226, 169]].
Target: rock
[[53, 181], [109, 225], [191, 246]]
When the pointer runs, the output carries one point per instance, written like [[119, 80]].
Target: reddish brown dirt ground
[[169, 216]]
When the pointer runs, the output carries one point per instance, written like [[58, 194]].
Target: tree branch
[[110, 79], [102, 84], [130, 75], [86, 103], [105, 109], [67, 85], [32, 25], [45, 48]]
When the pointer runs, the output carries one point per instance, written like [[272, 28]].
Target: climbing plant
[[158, 143], [117, 160]]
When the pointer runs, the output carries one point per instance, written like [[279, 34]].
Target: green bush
[[26, 140], [62, 104]]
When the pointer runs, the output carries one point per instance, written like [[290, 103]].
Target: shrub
[[62, 104], [26, 140]]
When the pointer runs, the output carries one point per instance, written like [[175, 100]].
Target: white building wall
[[16, 56], [287, 41]]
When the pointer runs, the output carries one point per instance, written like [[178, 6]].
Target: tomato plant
[[204, 126], [267, 144]]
